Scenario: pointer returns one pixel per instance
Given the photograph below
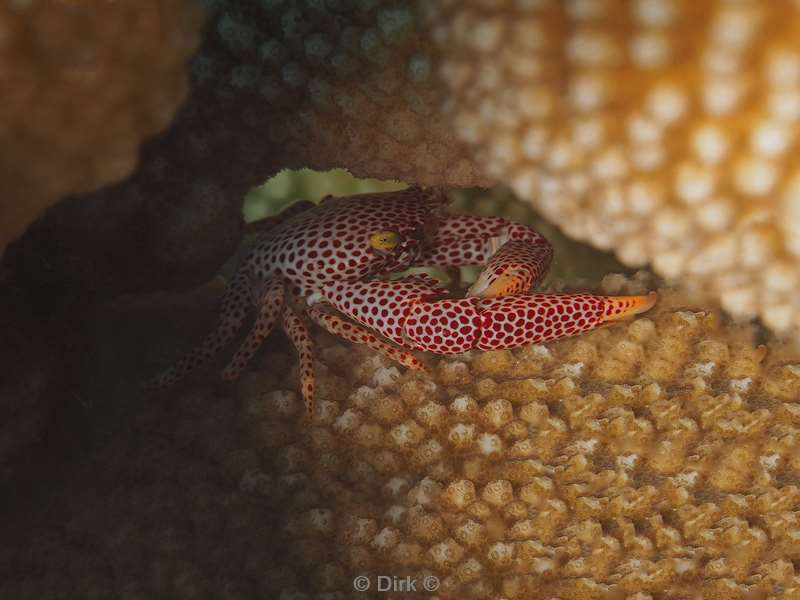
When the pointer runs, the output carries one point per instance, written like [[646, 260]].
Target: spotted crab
[[322, 262]]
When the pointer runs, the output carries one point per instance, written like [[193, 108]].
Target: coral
[[85, 84], [660, 129], [664, 130], [658, 458], [632, 460], [335, 84]]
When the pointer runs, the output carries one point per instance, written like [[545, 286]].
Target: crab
[[322, 263]]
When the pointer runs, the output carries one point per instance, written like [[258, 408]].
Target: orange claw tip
[[503, 285], [619, 308]]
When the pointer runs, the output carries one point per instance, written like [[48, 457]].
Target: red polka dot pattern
[[359, 334], [445, 326], [620, 307], [461, 240], [301, 249], [271, 307], [236, 302], [514, 321], [331, 242], [382, 305], [298, 333], [514, 269]]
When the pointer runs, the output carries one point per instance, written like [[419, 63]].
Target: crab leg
[[515, 269], [271, 304], [298, 333], [236, 302], [339, 326], [382, 306], [235, 305]]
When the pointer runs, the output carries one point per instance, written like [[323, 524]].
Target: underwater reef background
[[663, 130], [655, 460]]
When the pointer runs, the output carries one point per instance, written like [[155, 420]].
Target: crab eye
[[384, 240]]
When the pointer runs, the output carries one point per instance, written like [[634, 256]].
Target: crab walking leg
[[271, 304], [341, 327], [298, 333], [236, 302]]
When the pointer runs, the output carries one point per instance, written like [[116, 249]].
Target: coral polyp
[[655, 459], [662, 130]]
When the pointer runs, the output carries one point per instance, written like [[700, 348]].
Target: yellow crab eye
[[384, 240]]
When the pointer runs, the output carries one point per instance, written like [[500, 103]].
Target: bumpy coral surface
[[349, 84], [663, 129], [84, 83], [657, 459]]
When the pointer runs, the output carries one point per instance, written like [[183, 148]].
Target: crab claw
[[621, 308], [512, 270], [500, 285], [512, 321]]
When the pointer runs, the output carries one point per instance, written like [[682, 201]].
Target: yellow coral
[[662, 129], [596, 476], [656, 458]]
